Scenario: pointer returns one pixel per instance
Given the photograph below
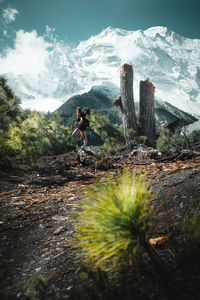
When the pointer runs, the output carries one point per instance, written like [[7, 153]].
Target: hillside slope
[[101, 99]]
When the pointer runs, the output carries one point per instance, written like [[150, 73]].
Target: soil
[[37, 208]]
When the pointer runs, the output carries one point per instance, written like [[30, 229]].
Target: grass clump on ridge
[[113, 222]]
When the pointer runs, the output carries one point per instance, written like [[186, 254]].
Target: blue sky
[[77, 20]]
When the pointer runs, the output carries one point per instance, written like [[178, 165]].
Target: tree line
[[26, 135]]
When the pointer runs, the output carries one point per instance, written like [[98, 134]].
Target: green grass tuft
[[113, 221]]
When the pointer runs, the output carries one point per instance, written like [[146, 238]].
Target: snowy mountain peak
[[153, 31], [171, 61], [108, 35], [110, 31]]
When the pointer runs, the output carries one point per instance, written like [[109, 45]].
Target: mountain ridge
[[172, 63], [102, 102]]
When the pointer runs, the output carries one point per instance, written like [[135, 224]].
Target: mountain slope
[[101, 101], [172, 63], [96, 99]]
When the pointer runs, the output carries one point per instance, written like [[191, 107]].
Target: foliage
[[194, 137], [9, 105], [38, 288], [9, 112], [163, 144], [26, 135], [94, 100], [59, 135], [6, 151], [169, 143], [112, 114], [110, 134], [112, 224], [36, 136], [130, 134]]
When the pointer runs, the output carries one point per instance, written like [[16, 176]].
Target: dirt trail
[[36, 219], [37, 206]]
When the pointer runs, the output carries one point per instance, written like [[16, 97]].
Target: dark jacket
[[84, 124]]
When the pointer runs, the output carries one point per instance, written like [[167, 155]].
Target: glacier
[[172, 63]]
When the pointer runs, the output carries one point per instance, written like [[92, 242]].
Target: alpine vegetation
[[113, 222]]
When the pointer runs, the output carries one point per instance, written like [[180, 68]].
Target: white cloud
[[49, 29], [33, 69], [126, 50], [50, 34], [42, 104], [9, 14], [29, 56]]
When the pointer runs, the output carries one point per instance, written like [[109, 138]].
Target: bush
[[9, 105], [194, 137], [39, 288], [27, 135], [164, 142], [109, 133], [113, 222], [169, 143], [36, 136], [9, 112], [6, 151]]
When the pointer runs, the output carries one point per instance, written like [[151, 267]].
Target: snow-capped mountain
[[172, 63]]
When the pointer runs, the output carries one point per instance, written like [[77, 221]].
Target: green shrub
[[6, 151], [113, 222], [9, 105], [194, 137], [36, 136], [27, 135], [169, 143], [109, 133], [163, 142], [38, 288]]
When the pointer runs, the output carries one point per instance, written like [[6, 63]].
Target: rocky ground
[[37, 208]]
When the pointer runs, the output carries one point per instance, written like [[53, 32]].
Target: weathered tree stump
[[127, 103], [147, 112]]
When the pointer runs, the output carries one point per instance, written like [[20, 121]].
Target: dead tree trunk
[[127, 103], [147, 113]]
